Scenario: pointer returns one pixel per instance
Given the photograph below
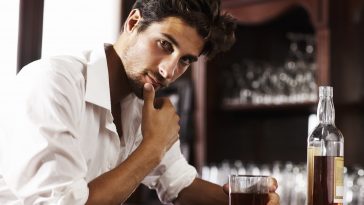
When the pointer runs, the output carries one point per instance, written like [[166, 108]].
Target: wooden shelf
[[261, 32], [301, 106], [350, 106], [261, 35]]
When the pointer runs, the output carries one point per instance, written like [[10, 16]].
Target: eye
[[167, 46], [185, 61]]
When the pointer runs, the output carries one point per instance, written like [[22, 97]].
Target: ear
[[132, 21]]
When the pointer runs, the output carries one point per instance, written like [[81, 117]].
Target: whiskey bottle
[[325, 155]]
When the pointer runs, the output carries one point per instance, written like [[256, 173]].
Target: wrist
[[154, 151]]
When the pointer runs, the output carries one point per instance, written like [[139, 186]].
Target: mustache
[[159, 78]]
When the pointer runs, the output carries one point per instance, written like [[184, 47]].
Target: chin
[[136, 85], [137, 88], [138, 91]]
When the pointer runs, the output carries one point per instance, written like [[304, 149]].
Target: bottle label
[[339, 180]]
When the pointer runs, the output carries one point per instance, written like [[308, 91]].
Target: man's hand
[[160, 131], [273, 197], [159, 125]]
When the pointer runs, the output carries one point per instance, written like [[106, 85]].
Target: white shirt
[[63, 135]]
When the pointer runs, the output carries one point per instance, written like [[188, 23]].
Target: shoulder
[[57, 71], [51, 77], [71, 67], [55, 84]]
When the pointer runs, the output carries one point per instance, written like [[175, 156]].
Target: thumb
[[273, 184], [148, 95], [225, 188]]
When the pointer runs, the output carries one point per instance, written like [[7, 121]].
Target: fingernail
[[148, 86]]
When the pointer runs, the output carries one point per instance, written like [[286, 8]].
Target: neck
[[118, 80]]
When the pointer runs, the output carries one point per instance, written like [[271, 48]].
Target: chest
[[116, 113], [99, 142]]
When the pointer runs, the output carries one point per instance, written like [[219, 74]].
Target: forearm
[[115, 186], [201, 192]]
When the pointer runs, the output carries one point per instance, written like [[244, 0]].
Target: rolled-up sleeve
[[172, 175], [40, 157]]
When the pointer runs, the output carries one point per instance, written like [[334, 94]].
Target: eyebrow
[[173, 40], [170, 38]]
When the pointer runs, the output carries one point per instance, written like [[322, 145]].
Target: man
[[83, 134]]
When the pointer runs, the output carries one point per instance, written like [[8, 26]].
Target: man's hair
[[215, 28]]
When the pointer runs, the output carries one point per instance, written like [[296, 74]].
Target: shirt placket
[[117, 142]]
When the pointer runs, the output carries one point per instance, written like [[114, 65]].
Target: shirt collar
[[97, 83]]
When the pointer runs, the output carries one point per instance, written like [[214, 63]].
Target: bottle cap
[[325, 91]]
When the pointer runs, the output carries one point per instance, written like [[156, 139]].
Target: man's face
[[161, 53]]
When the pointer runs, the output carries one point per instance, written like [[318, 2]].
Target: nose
[[168, 67]]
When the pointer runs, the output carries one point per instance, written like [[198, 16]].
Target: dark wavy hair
[[215, 28]]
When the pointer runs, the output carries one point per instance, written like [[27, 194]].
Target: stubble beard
[[136, 84]]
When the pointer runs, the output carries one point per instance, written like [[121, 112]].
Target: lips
[[154, 82]]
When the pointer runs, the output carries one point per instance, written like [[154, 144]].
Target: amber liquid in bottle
[[324, 180], [325, 156]]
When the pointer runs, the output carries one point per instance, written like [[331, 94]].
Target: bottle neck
[[326, 110]]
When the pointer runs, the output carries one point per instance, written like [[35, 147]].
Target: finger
[[148, 95], [177, 118], [163, 102], [272, 184], [273, 199], [225, 188]]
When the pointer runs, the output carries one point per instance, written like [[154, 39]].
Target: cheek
[[139, 56], [144, 46], [147, 53], [179, 72]]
